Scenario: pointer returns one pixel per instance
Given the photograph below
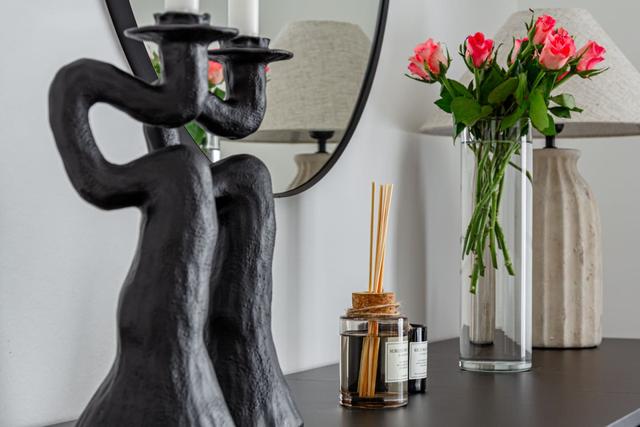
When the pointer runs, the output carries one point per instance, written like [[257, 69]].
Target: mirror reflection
[[311, 98]]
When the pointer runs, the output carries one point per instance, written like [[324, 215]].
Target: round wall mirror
[[314, 101]]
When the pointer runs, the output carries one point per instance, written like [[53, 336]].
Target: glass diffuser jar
[[496, 194], [374, 362]]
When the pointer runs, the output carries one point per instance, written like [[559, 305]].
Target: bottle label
[[396, 367], [418, 360]]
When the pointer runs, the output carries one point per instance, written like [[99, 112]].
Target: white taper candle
[[245, 16], [187, 6]]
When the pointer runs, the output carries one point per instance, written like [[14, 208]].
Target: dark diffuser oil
[[374, 362]]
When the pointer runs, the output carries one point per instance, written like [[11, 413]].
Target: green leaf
[[219, 93], [550, 130], [445, 104], [538, 110], [485, 111], [459, 89], [197, 133], [511, 119], [521, 90], [564, 100], [562, 112], [466, 110], [492, 79], [503, 91], [417, 79]]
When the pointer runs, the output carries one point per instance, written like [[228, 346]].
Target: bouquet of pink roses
[[510, 95]]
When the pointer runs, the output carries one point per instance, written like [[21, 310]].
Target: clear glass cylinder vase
[[496, 245]]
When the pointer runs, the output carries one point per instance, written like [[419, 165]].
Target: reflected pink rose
[[216, 73]]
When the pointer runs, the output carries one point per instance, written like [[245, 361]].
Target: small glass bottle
[[418, 354], [374, 362]]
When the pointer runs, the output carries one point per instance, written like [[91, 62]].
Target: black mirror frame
[[122, 18]]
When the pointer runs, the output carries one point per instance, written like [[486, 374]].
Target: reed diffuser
[[374, 335]]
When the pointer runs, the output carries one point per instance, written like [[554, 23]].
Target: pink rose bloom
[[416, 67], [591, 54], [428, 56], [216, 74], [479, 49], [544, 27], [432, 54], [558, 49], [516, 49]]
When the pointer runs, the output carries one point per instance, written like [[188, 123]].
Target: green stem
[[491, 162], [505, 251], [445, 82], [523, 54], [539, 78]]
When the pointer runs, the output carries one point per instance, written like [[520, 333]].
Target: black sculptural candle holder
[[194, 315]]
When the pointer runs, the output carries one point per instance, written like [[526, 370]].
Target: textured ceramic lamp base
[[308, 166], [567, 254]]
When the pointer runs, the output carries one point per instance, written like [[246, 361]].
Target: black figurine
[[197, 218]]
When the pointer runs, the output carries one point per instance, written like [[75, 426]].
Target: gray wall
[[62, 261]]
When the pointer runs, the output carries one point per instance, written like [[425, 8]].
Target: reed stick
[[373, 211], [362, 377], [376, 353], [379, 285], [371, 342], [378, 237]]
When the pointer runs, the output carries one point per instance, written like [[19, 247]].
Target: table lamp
[[567, 244], [313, 97]]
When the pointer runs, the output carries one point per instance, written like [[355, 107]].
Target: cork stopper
[[373, 304]]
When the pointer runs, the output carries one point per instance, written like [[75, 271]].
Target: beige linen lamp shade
[[611, 101], [318, 88]]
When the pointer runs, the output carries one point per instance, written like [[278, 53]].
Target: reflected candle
[[186, 6], [245, 16]]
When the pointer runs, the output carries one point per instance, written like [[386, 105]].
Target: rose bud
[[544, 27], [591, 54], [478, 50], [517, 43], [558, 49]]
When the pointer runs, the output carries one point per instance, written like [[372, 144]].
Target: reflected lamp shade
[[317, 89], [611, 101]]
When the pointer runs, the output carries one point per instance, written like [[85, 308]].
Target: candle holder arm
[[75, 89], [240, 114], [159, 137]]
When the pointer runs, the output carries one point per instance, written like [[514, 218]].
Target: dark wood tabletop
[[594, 387]]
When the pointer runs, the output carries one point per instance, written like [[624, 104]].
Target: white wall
[[322, 244], [62, 261]]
